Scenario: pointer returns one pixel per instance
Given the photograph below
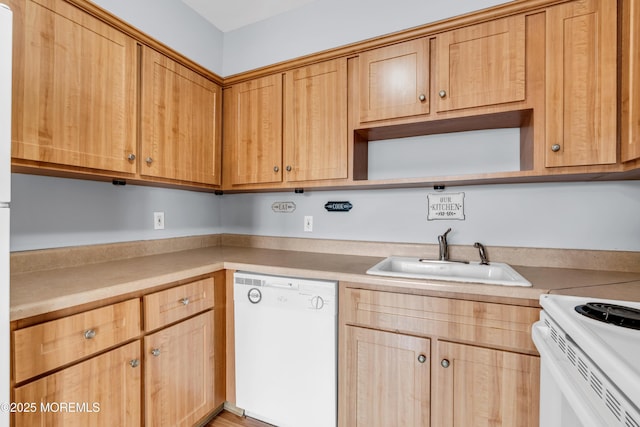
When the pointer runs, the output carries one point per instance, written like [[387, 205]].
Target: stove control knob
[[317, 302]]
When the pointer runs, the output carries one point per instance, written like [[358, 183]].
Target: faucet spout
[[483, 253], [444, 246]]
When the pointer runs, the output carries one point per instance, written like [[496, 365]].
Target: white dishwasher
[[286, 349]]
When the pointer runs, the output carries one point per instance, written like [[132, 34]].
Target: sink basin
[[493, 274]]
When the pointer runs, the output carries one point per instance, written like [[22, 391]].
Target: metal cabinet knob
[[555, 148], [155, 352], [422, 358], [422, 97], [184, 301], [134, 363], [149, 160], [131, 157], [442, 93], [445, 363], [288, 168], [276, 168], [89, 334]]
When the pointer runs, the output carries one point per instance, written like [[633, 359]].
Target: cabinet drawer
[[168, 306], [495, 325], [46, 346]]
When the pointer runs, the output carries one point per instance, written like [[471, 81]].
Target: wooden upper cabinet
[[394, 81], [478, 386], [480, 65], [181, 120], [388, 379], [106, 388], [253, 131], [630, 131], [315, 122], [74, 88], [581, 78]]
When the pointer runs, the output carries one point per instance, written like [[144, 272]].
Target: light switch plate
[[158, 220]]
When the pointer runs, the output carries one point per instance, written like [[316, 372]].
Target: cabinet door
[[581, 83], [181, 117], [103, 391], [315, 122], [394, 81], [630, 130], [253, 131], [481, 64], [484, 387], [179, 373], [387, 379], [74, 88]]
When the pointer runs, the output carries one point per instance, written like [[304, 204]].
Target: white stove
[[590, 363]]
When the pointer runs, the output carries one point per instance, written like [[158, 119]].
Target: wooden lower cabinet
[[413, 360], [102, 391], [99, 368], [179, 372], [387, 379], [476, 386]]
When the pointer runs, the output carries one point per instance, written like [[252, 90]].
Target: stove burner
[[618, 315]]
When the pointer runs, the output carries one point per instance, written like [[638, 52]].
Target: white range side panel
[[6, 32]]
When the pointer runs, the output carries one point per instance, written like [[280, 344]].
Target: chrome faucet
[[483, 253], [444, 246]]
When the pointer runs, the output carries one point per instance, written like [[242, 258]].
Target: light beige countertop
[[47, 290]]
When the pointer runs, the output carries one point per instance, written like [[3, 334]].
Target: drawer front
[[40, 348], [494, 325], [171, 305]]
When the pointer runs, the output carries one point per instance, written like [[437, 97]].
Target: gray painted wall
[[562, 215], [175, 24], [55, 212], [52, 212]]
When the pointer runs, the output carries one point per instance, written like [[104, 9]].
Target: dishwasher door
[[286, 349]]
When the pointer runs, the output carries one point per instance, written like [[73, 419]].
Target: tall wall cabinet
[[78, 87], [287, 129], [75, 89]]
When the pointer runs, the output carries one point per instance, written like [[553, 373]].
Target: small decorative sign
[[283, 207], [445, 206], [338, 206]]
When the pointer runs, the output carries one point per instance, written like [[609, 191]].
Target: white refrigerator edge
[[6, 37]]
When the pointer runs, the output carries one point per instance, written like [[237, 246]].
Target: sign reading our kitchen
[[445, 206]]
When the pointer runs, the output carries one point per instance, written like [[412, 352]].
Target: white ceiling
[[229, 15]]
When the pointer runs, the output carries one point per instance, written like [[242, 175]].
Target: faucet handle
[[444, 235]]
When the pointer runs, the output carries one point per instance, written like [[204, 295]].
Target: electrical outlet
[[308, 223], [158, 220]]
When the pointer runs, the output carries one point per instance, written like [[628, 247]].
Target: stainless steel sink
[[495, 273]]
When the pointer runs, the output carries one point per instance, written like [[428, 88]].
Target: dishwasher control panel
[[286, 292]]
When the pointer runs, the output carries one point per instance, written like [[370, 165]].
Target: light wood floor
[[227, 419]]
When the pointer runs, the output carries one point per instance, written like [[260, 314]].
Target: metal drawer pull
[[445, 363], [155, 352], [131, 157], [134, 363], [422, 97], [89, 334], [184, 301], [422, 358]]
